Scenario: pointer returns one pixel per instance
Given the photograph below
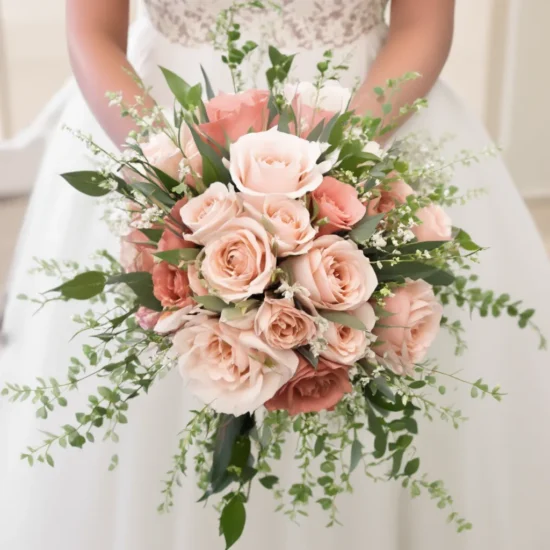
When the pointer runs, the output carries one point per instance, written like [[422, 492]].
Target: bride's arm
[[419, 39], [97, 35]]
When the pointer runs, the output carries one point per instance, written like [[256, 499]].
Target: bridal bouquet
[[292, 270]]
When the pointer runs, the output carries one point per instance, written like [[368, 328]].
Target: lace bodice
[[303, 24]]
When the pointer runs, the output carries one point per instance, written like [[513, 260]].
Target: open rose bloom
[[286, 265]]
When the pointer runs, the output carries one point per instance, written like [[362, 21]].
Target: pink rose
[[335, 273], [172, 321], [275, 163], [171, 286], [234, 371], [147, 318], [134, 254], [238, 260], [234, 115], [282, 325], [340, 204], [172, 237], [435, 224], [313, 390], [347, 345], [389, 196], [206, 214], [406, 336], [288, 219], [164, 154]]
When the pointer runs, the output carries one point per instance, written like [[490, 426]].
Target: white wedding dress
[[496, 465]]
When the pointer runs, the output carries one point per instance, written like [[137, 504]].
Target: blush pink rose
[[197, 285], [234, 115], [347, 345], [313, 390], [275, 163], [172, 237], [172, 321], [435, 224], [238, 260], [335, 273], [192, 159], [287, 219], [406, 336], [340, 204], [164, 154], [206, 214], [232, 370], [389, 195], [283, 326], [171, 286], [134, 254], [147, 318]]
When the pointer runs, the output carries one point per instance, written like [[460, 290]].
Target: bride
[[496, 466]]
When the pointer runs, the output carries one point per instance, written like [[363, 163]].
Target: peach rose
[[172, 236], [171, 286], [234, 371], [172, 321], [282, 325], [340, 204], [389, 196], [347, 345], [289, 220], [206, 214], [238, 260], [335, 273], [406, 336], [313, 390], [234, 115], [163, 153], [147, 318], [435, 224], [134, 255], [275, 163], [195, 283]]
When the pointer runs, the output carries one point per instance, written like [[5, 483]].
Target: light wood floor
[[12, 211]]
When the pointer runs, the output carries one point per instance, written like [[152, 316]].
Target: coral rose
[[313, 389], [389, 196], [407, 334], [340, 204], [335, 273], [233, 371], [171, 286]]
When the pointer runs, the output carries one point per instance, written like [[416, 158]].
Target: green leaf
[[87, 182], [83, 286], [269, 481], [337, 131], [356, 454], [141, 284], [285, 118], [211, 303], [396, 462], [232, 521], [209, 90], [465, 241], [365, 229], [319, 445], [154, 193], [220, 172], [241, 452], [188, 96], [414, 270], [308, 355], [343, 318], [411, 248], [167, 181], [177, 256], [316, 133], [154, 235], [412, 467]]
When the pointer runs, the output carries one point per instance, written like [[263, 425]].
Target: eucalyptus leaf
[[269, 481], [343, 318], [232, 521], [84, 286], [308, 355], [412, 467], [356, 454], [177, 256], [141, 284], [87, 182], [211, 303], [366, 228]]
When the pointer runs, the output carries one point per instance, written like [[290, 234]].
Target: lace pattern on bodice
[[303, 24]]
